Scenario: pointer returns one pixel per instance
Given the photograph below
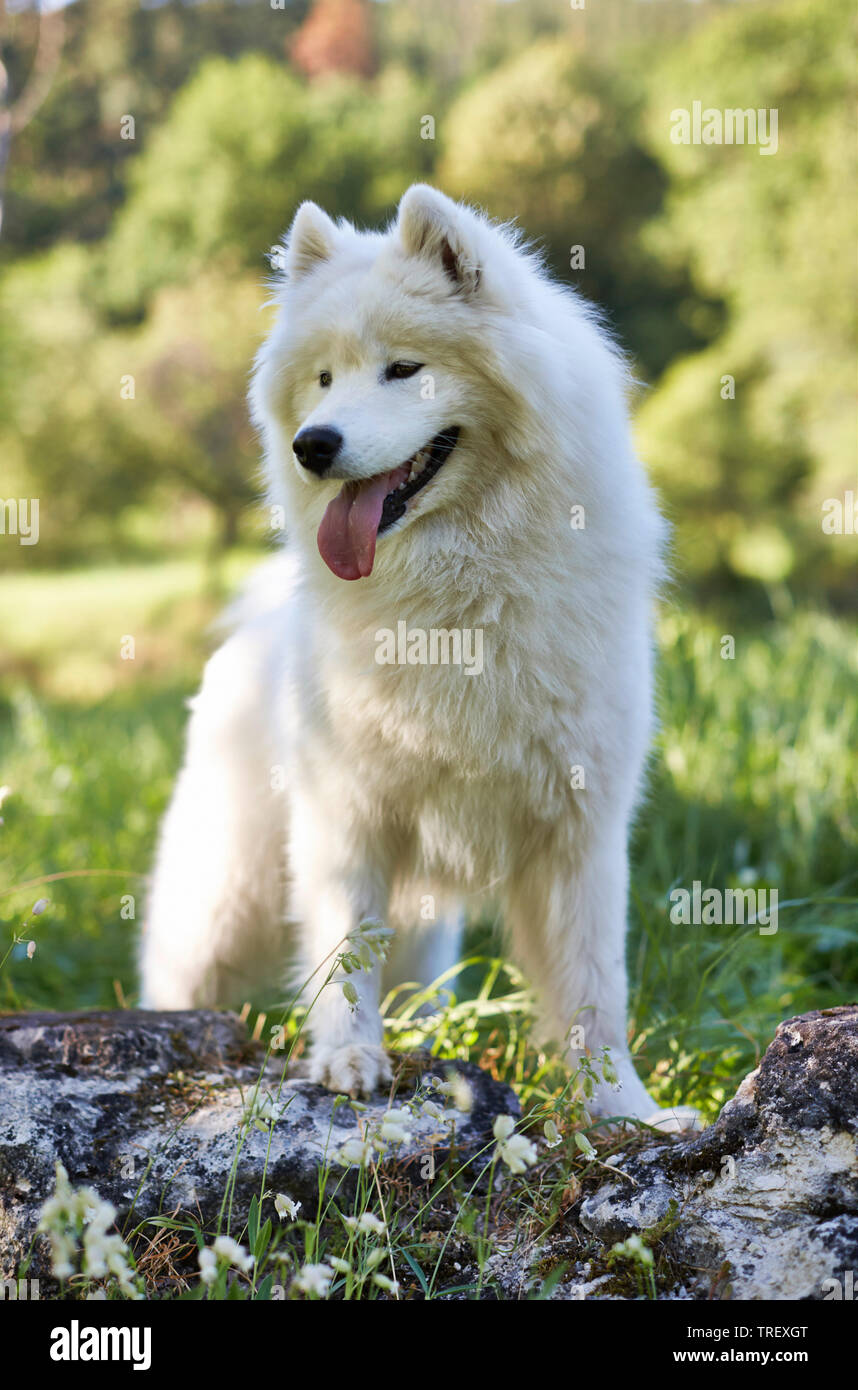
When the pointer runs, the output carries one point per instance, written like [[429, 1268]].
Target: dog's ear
[[431, 225], [311, 240]]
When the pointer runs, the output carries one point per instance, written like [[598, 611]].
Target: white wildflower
[[369, 1222], [354, 1151], [517, 1153], [366, 1222], [208, 1266], [514, 1150], [236, 1254], [39, 907], [394, 1126], [77, 1223], [583, 1143], [459, 1091], [284, 1206], [552, 1133], [315, 1279], [262, 1111]]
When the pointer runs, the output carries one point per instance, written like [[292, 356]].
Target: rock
[[147, 1108], [766, 1199], [150, 1109]]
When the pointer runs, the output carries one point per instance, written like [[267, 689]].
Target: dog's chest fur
[[475, 770]]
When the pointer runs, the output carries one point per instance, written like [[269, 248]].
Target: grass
[[752, 784]]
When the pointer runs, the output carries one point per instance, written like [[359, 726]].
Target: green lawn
[[753, 784]]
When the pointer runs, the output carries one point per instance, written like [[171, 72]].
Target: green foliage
[[104, 420], [63, 438], [773, 237], [751, 789], [68, 165], [252, 141], [728, 275], [552, 140]]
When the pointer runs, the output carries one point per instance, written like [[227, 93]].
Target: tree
[[336, 36], [552, 140], [66, 176], [98, 422], [242, 145], [17, 110], [750, 437]]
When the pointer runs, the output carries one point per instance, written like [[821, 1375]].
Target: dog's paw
[[353, 1069], [678, 1119]]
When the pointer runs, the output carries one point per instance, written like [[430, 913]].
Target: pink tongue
[[350, 525]]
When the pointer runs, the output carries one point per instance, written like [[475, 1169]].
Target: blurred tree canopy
[[253, 140], [134, 257], [774, 237], [118, 58], [554, 140]]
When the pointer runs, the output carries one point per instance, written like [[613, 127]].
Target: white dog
[[443, 686]]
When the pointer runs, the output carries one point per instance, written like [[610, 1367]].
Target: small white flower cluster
[[358, 1151], [225, 1253], [367, 1224], [517, 1152], [314, 1280], [395, 1126], [77, 1221]]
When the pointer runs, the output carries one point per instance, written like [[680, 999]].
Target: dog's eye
[[325, 378], [395, 371]]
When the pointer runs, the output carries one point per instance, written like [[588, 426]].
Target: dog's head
[[386, 393]]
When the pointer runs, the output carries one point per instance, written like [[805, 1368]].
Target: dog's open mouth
[[361, 511]]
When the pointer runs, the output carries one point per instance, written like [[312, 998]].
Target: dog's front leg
[[567, 908], [338, 883]]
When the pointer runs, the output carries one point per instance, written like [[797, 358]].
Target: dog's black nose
[[317, 447]]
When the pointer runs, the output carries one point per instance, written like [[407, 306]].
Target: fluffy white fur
[[403, 781]]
